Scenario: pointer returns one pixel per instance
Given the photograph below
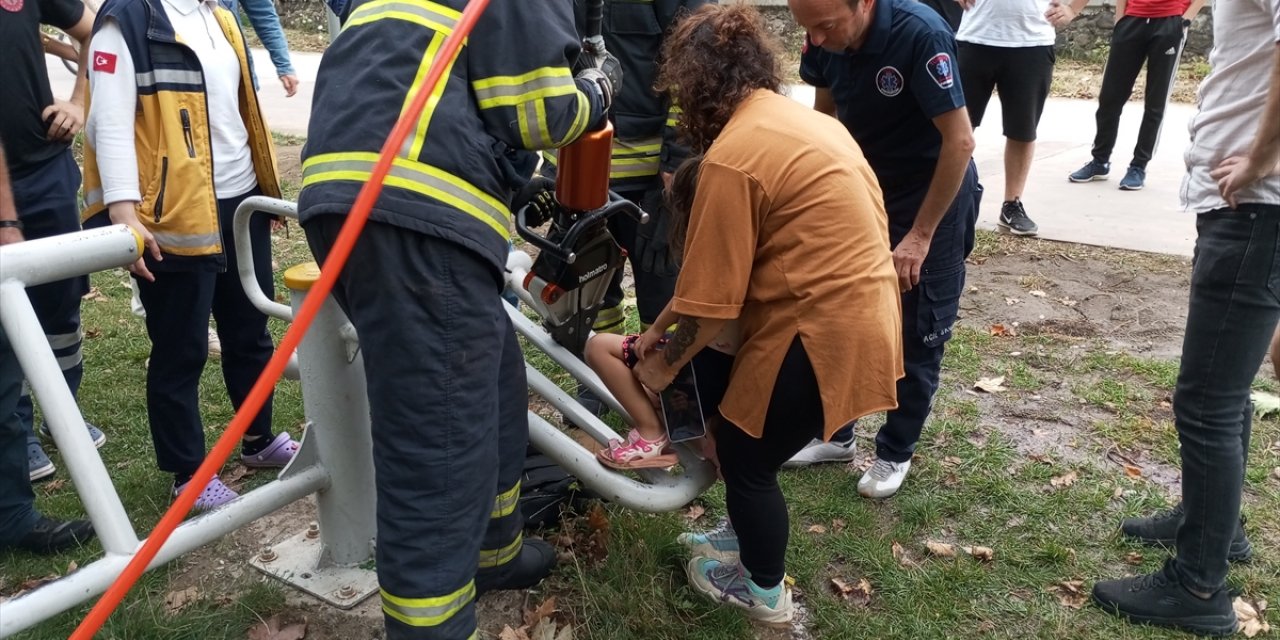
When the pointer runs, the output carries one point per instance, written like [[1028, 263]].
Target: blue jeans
[[1233, 310]]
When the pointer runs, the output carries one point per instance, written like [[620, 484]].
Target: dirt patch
[[1129, 300]]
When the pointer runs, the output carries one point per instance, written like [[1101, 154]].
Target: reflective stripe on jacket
[[510, 89], [173, 146]]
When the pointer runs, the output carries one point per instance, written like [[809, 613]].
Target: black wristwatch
[[15, 224]]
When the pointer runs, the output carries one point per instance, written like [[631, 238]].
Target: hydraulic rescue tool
[[578, 257]]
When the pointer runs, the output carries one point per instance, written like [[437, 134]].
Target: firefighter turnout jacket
[[511, 88], [173, 141], [644, 120]]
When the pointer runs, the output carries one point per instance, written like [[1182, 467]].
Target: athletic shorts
[[1022, 75]]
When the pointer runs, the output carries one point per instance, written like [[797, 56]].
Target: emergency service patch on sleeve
[[941, 70], [104, 62]]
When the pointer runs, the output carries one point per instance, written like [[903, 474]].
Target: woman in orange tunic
[[787, 235]]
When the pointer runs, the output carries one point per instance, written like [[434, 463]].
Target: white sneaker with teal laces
[[720, 543], [729, 583]]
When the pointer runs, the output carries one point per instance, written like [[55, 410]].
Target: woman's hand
[[647, 341], [126, 213], [654, 373]]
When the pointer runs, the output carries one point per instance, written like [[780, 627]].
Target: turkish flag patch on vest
[[104, 62]]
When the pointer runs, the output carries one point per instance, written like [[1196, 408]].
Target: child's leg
[[604, 356]]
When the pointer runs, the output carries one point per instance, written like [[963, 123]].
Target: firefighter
[[446, 379]]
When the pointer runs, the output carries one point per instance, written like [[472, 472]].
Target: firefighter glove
[[653, 238], [538, 198]]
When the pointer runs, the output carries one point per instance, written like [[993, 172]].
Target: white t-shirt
[[1245, 34], [1008, 23], [110, 125]]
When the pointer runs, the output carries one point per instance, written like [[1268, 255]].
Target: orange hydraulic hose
[[271, 374]]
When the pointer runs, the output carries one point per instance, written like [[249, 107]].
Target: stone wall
[[1085, 38], [1089, 34]]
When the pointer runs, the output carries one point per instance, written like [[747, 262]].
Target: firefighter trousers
[[448, 402]]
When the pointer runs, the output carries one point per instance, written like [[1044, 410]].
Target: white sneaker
[[818, 451], [215, 345], [883, 479]]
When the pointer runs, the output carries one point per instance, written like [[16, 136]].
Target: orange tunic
[[788, 234]]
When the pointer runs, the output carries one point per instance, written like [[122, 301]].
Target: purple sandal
[[276, 454], [215, 495]]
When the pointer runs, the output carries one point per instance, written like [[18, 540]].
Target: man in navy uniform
[[886, 69]]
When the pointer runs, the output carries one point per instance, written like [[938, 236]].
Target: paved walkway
[[1097, 213]]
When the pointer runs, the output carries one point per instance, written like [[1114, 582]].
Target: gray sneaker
[[883, 479], [39, 466], [1014, 219], [99, 438]]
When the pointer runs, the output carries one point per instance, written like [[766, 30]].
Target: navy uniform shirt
[[888, 92]]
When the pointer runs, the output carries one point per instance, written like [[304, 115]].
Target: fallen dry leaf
[[544, 610], [54, 485], [1070, 593], [940, 549], [1132, 471], [990, 385], [1011, 301], [179, 600], [1118, 493], [694, 512], [1002, 331], [546, 629], [952, 461], [1038, 293], [273, 629], [1068, 302], [1042, 458], [982, 554], [72, 566], [508, 633], [94, 295], [838, 525], [904, 559], [92, 333], [858, 594], [1065, 480], [817, 529], [1133, 558], [1250, 617]]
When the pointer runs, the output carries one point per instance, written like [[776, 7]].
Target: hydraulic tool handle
[[532, 237], [616, 205], [595, 20]]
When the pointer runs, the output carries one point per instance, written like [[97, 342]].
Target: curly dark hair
[[714, 58]]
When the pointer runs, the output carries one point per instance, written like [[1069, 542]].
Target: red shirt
[[1156, 8]]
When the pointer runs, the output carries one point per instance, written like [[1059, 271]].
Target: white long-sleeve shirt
[[112, 111]]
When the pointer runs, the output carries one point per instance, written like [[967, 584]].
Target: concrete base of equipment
[[296, 562]]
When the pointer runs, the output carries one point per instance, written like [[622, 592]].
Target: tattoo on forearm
[[686, 331]]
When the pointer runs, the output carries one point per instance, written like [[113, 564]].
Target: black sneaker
[[1160, 599], [535, 562], [1162, 530], [52, 536], [591, 402], [1013, 218]]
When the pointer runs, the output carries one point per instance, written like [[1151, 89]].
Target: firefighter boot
[[534, 562]]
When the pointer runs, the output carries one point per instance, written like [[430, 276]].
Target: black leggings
[[750, 466]]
